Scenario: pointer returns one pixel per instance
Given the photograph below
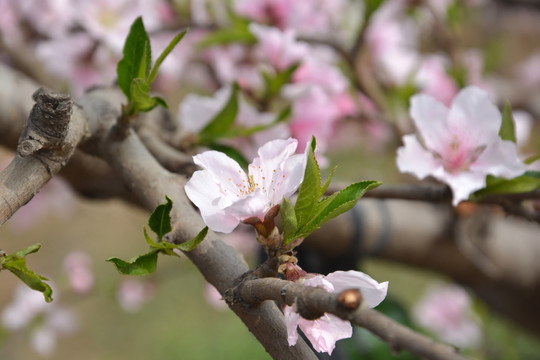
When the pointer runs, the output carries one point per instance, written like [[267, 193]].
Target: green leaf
[[164, 55], [343, 201], [26, 251], [223, 121], [370, 7], [274, 83], [137, 57], [288, 218], [16, 264], [531, 159], [226, 36], [528, 182], [160, 220], [508, 131], [191, 244], [140, 97], [232, 153], [327, 183], [309, 193], [141, 265]]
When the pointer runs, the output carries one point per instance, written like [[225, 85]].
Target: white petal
[[223, 170], [500, 159], [254, 204], [430, 117], [463, 184], [413, 158], [473, 110], [373, 291], [205, 193]]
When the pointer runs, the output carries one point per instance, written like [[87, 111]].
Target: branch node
[[350, 299]]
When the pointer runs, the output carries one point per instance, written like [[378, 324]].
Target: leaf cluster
[[16, 263], [135, 73], [312, 208], [160, 223]]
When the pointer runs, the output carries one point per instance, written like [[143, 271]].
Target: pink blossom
[[45, 321], [278, 48], [435, 81], [225, 195], [133, 294], [78, 266], [446, 311], [460, 145], [274, 12], [325, 331]]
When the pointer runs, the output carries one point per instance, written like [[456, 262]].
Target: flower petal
[[325, 331], [473, 110], [500, 159], [463, 184], [292, 319], [223, 170], [430, 117], [373, 291], [414, 159]]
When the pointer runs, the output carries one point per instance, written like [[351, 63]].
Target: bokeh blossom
[[226, 195], [78, 266], [459, 146], [446, 311], [325, 331], [45, 321]]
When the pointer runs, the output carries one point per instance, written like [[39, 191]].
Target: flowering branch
[[314, 301]]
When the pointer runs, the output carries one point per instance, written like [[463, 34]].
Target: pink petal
[[500, 159], [292, 319], [325, 331]]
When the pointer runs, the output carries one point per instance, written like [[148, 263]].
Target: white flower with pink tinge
[[459, 146], [226, 195], [325, 331]]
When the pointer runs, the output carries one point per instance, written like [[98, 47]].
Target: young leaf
[[529, 181], [141, 265], [508, 131], [191, 244], [343, 201], [228, 36], [140, 97], [274, 83], [160, 220], [327, 183], [288, 218], [16, 263], [137, 57], [309, 193], [164, 54], [223, 121]]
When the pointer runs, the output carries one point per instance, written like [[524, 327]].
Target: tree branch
[[312, 300]]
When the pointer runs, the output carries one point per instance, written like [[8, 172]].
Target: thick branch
[[317, 300], [46, 144]]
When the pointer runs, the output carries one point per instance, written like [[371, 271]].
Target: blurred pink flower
[[45, 321], [78, 266], [225, 195], [325, 331], [133, 294], [446, 310], [459, 146], [278, 48], [433, 79]]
